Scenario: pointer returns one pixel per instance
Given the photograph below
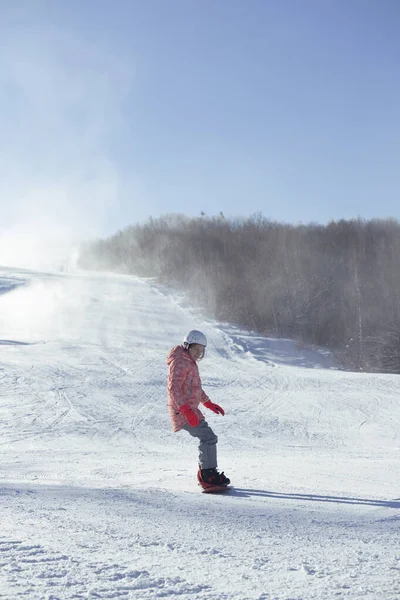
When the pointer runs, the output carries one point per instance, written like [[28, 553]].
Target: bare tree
[[336, 285]]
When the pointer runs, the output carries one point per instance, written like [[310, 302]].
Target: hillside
[[98, 497]]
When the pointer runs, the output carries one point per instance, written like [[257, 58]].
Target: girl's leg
[[207, 444]]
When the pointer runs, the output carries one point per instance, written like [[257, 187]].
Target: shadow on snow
[[242, 492], [8, 284], [273, 351], [139, 495], [15, 343]]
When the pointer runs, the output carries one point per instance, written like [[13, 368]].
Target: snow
[[98, 498]]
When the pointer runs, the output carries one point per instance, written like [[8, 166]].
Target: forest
[[335, 286]]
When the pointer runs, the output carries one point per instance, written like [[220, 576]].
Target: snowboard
[[216, 489]]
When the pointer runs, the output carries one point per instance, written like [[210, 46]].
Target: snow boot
[[211, 477]]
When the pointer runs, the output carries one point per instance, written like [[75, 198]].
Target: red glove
[[190, 416], [214, 407]]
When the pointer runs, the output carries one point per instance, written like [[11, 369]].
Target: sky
[[115, 111]]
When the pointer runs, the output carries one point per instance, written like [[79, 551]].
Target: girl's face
[[196, 351]]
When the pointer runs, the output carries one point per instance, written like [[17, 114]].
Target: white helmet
[[195, 337]]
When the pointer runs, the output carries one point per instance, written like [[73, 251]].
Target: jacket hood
[[178, 352]]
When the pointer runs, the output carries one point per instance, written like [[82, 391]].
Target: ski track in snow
[[98, 498]]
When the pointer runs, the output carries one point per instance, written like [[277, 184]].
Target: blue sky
[[114, 111]]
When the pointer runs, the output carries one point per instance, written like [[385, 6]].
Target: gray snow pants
[[207, 444]]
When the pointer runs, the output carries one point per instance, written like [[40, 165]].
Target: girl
[[184, 396]]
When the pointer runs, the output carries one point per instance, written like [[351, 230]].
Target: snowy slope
[[98, 498]]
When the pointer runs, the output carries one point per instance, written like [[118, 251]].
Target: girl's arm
[[204, 397], [176, 378]]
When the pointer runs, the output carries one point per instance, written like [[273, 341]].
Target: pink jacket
[[184, 386]]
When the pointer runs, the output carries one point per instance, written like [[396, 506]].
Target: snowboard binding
[[212, 482]]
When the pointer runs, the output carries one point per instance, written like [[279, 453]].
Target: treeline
[[335, 285]]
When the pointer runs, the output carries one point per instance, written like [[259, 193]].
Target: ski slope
[[98, 498]]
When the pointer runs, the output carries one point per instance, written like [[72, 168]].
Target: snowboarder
[[184, 396]]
